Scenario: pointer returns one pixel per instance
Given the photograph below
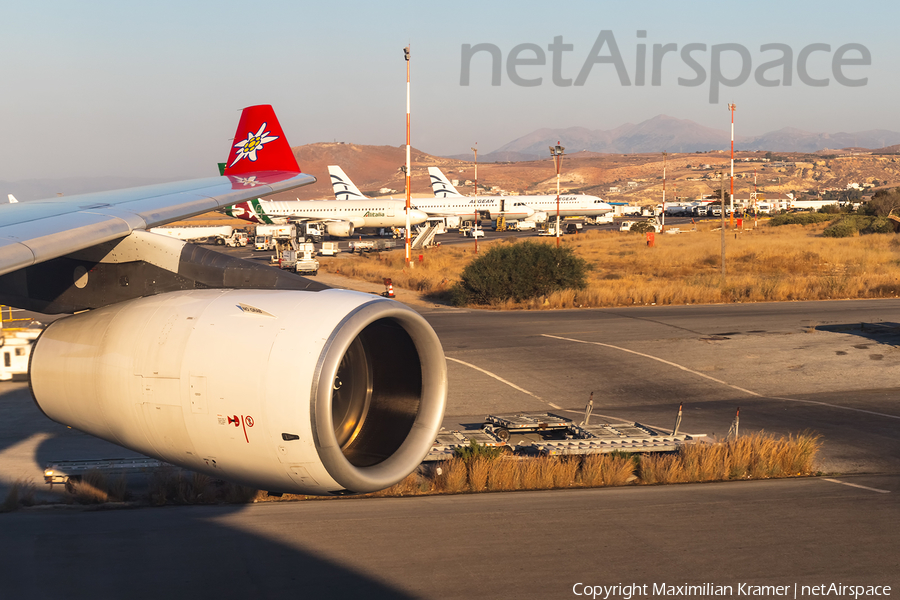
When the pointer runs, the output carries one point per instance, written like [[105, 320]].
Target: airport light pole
[[408, 189], [731, 108], [557, 153], [662, 227], [722, 195], [475, 222]]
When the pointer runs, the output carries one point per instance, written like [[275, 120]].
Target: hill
[[690, 175], [664, 133]]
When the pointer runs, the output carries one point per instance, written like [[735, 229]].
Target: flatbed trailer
[[573, 438], [61, 471], [447, 442], [603, 438], [503, 425]]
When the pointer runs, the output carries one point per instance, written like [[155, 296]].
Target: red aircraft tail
[[260, 144]]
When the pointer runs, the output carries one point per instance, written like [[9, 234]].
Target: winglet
[[260, 144], [12, 199]]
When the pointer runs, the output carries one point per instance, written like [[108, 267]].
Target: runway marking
[[734, 387], [500, 379], [856, 485]]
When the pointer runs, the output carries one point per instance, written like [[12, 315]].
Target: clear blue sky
[[154, 88]]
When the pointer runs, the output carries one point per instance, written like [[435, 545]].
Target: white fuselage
[[570, 205], [362, 213], [465, 207], [516, 207]]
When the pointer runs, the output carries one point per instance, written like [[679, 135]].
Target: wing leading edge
[[260, 163]]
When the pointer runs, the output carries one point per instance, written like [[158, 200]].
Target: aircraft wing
[[33, 232]]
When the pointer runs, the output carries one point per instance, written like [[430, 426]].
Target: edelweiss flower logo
[[249, 181], [253, 143]]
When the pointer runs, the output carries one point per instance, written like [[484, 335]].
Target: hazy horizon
[[102, 89]]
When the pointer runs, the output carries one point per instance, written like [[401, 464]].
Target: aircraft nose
[[417, 217]]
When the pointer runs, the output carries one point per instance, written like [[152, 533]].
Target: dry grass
[[755, 456], [186, 487], [95, 487], [790, 262], [451, 477], [21, 493], [601, 470]]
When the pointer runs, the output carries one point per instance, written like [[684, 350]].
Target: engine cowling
[[538, 217], [307, 392], [339, 228]]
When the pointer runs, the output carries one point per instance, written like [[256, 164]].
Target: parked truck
[[237, 238], [300, 258], [267, 236]]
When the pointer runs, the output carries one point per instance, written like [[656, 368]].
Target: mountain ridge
[[664, 133]]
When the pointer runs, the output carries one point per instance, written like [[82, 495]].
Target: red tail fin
[[260, 144]]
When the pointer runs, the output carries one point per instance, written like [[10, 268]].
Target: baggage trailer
[[448, 441], [571, 437], [63, 471], [503, 425], [613, 437]]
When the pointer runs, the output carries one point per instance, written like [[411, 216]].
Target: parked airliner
[[570, 205]]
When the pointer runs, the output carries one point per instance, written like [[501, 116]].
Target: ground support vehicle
[[617, 437], [238, 238], [552, 435], [66, 471], [371, 245], [448, 441], [550, 230], [503, 425], [599, 219], [329, 249], [263, 243], [522, 225], [15, 351], [299, 258], [310, 232]]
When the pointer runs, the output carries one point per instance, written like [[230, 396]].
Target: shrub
[[641, 227], [841, 229], [879, 225], [801, 218], [519, 272], [852, 224], [475, 450]]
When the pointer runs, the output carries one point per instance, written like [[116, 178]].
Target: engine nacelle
[[305, 392], [539, 217], [339, 228]]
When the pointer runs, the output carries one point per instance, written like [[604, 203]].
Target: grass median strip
[[477, 469], [790, 262]]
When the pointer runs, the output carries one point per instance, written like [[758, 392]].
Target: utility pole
[[408, 166], [557, 153], [731, 107], [662, 227], [475, 232], [722, 190]]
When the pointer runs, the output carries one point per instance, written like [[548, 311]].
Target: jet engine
[[539, 217], [326, 392], [339, 228]]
